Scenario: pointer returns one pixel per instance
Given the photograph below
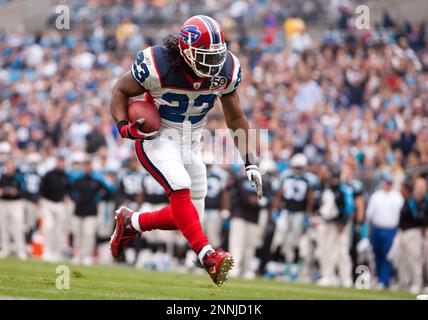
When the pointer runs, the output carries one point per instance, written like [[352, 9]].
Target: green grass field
[[36, 280]]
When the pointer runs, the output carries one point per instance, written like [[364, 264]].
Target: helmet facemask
[[205, 62]]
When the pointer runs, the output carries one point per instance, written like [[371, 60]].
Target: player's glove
[[132, 130], [255, 178]]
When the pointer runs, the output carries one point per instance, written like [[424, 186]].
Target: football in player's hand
[[146, 109]]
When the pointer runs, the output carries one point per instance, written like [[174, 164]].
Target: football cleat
[[123, 233], [218, 264]]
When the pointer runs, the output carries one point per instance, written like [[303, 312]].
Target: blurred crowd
[[352, 103]]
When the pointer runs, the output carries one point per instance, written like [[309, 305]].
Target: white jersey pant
[[212, 223], [85, 232], [31, 211], [55, 229], [410, 262], [243, 241], [12, 227], [289, 230], [175, 167], [333, 252], [105, 218], [425, 255], [307, 249]]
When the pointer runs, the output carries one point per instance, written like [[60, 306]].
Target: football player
[[184, 77], [217, 202], [295, 199], [130, 185]]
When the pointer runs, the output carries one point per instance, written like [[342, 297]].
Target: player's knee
[[181, 181], [199, 187], [198, 193]]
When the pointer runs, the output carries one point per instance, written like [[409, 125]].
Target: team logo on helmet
[[191, 32]]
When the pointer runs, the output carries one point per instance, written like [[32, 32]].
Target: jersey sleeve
[[284, 175], [144, 70], [234, 77]]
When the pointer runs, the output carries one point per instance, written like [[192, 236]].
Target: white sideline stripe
[[14, 298]]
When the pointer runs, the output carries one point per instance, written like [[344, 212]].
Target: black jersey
[[216, 184], [295, 190], [153, 192], [32, 180], [130, 185], [12, 186]]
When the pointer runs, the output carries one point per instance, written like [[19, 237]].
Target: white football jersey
[[179, 97]]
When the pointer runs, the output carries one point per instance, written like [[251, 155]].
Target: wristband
[[121, 123]]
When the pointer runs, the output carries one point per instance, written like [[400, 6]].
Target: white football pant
[[55, 229], [410, 262], [12, 226], [243, 242], [84, 238], [288, 231], [175, 166], [212, 223], [333, 251]]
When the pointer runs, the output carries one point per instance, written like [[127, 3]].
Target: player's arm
[[236, 120], [359, 213], [125, 88]]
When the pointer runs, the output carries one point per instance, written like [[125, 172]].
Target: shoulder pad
[[287, 173], [312, 179], [233, 72], [145, 68]]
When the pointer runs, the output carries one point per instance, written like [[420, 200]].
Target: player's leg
[[416, 258], [89, 229], [344, 259], [60, 231], [198, 176], [48, 230], [403, 265], [18, 222], [212, 223], [4, 242], [163, 160], [280, 233], [161, 157], [77, 238], [328, 253], [237, 243], [252, 232]]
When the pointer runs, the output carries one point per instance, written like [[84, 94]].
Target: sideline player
[[184, 77]]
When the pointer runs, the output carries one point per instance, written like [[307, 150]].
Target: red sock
[[187, 220], [160, 219]]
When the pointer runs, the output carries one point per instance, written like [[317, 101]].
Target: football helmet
[[299, 161], [202, 45]]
